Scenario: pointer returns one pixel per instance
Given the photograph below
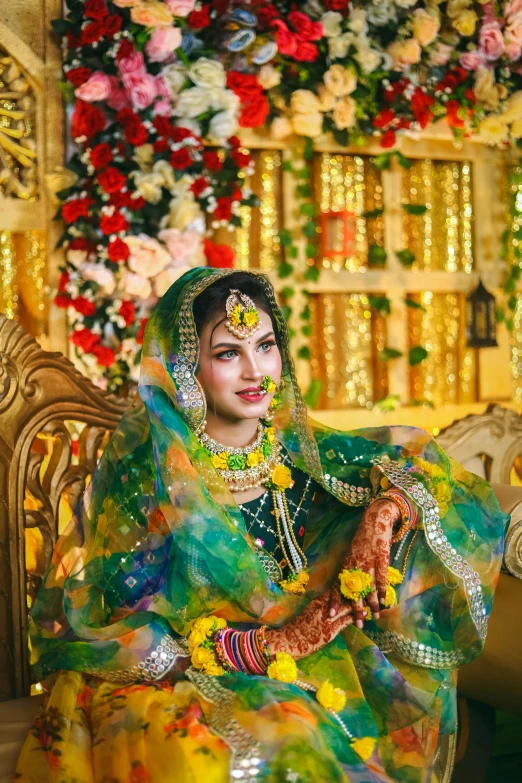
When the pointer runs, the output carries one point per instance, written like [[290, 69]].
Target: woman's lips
[[254, 395]]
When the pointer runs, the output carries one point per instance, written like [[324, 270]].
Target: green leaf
[[509, 285], [382, 161], [406, 257], [304, 190], [292, 251], [512, 302], [284, 269], [312, 274], [403, 161], [413, 304], [59, 26], [387, 404], [313, 393], [380, 303], [389, 353], [377, 255], [499, 315], [287, 292], [285, 237], [308, 152], [287, 312], [287, 166], [303, 172], [515, 272], [415, 209], [509, 324], [373, 213], [304, 353], [309, 229], [307, 330], [308, 210], [416, 355], [305, 313]]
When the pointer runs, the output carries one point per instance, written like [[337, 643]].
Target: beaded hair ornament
[[242, 316]]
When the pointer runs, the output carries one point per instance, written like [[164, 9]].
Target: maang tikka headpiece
[[242, 316]]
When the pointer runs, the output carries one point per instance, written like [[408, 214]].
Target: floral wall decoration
[[161, 88]]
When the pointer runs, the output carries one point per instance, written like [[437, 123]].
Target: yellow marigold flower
[[391, 596], [283, 668], [369, 613], [394, 576], [355, 583], [281, 477], [235, 316], [196, 638], [364, 747], [271, 387], [253, 459], [220, 460], [200, 657], [292, 586], [330, 698], [213, 667], [270, 433], [303, 577], [250, 318]]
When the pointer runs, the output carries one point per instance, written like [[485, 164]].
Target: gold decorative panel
[[23, 280], [18, 171], [442, 238], [347, 338], [347, 187], [448, 374], [516, 351]]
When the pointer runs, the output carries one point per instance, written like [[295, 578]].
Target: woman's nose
[[251, 368]]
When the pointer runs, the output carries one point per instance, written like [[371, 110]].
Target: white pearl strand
[[297, 562], [306, 687]]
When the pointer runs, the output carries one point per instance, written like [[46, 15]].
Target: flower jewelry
[[242, 316], [355, 583], [330, 698], [202, 646], [268, 384], [283, 668]]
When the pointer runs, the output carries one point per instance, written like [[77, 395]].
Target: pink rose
[[96, 88], [491, 40], [118, 99], [163, 43], [471, 61], [148, 258], [441, 54], [180, 7], [513, 34], [141, 88], [512, 10], [182, 245], [134, 62]]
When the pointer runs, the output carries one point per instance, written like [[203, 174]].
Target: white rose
[[338, 47], [513, 107], [516, 129], [101, 275], [344, 113], [224, 100], [165, 279], [193, 102], [268, 77], [369, 59], [493, 130], [405, 3], [308, 124], [148, 258], [281, 128], [381, 15], [331, 22], [208, 73], [190, 125], [357, 21], [149, 186], [174, 76], [183, 212], [340, 80], [76, 257], [163, 169], [223, 125], [143, 156], [304, 102], [132, 285], [326, 98]]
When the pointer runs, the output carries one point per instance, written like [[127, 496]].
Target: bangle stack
[[407, 510], [243, 651]]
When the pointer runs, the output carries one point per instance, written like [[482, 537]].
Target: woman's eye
[[226, 354], [264, 347]]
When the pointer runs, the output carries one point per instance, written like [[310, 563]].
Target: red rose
[[80, 243], [95, 9], [453, 117], [303, 25], [62, 282], [120, 200], [383, 118], [78, 76], [118, 250], [78, 208], [101, 155], [73, 42], [128, 311], [388, 139], [199, 186], [420, 105], [141, 330], [336, 5], [161, 145], [218, 256], [223, 209], [112, 224], [241, 159], [180, 159], [266, 14], [112, 180], [62, 302], [305, 52], [237, 194], [105, 356], [245, 85], [163, 125], [285, 39], [396, 88], [87, 120], [125, 48], [83, 306], [92, 33], [199, 19], [234, 142], [254, 113], [470, 95], [85, 339], [221, 6], [113, 25], [211, 161], [126, 117], [136, 134]]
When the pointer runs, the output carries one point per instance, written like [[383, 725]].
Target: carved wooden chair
[[53, 425]]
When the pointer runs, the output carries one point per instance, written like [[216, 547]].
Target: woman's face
[[232, 369]]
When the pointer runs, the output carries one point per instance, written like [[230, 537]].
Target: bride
[[244, 594]]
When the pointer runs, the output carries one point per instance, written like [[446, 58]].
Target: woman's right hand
[[312, 629]]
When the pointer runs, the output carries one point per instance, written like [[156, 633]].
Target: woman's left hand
[[370, 551]]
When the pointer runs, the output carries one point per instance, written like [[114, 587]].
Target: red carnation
[[223, 209], [101, 155], [180, 159], [92, 33], [62, 282], [218, 256], [254, 113], [87, 120], [120, 200], [112, 180], [128, 311], [388, 139], [245, 85], [95, 9], [118, 250], [85, 339], [241, 159], [62, 301], [105, 356], [113, 25], [199, 19], [78, 76], [78, 208], [383, 118], [141, 330], [112, 224], [211, 161], [199, 186], [83, 306]]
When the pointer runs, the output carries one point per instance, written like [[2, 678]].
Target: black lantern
[[481, 322]]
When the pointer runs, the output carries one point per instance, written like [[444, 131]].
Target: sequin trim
[[347, 493], [420, 654], [245, 759], [154, 667], [409, 482]]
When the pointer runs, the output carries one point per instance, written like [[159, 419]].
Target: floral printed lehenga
[[158, 541]]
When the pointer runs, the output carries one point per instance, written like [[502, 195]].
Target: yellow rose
[[404, 53], [326, 98], [493, 130], [220, 623], [308, 124], [220, 460], [196, 638], [213, 667], [364, 747], [391, 596], [270, 433], [151, 14], [465, 23], [200, 657], [303, 578], [292, 586], [204, 625], [486, 89], [281, 477], [304, 102], [393, 576], [355, 583], [252, 459], [250, 318], [344, 113], [425, 26], [340, 81], [283, 668], [513, 108], [281, 128], [330, 698], [235, 316], [516, 129]]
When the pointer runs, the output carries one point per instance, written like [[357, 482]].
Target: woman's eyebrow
[[238, 345]]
